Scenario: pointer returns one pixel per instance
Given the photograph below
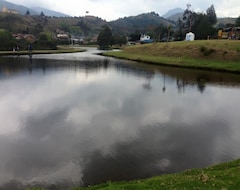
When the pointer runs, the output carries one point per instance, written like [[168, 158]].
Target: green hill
[[142, 23], [16, 23], [87, 26]]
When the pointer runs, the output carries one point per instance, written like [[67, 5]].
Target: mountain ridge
[[49, 12], [172, 12], [33, 10]]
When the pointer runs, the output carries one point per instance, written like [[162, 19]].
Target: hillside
[[224, 21], [16, 23], [81, 26], [142, 23]]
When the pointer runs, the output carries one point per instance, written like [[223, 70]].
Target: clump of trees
[[7, 42], [202, 24], [45, 42], [106, 38], [237, 21]]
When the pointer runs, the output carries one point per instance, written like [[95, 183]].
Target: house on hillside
[[77, 39], [28, 37], [6, 10], [62, 37]]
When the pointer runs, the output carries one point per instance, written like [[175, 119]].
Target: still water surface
[[81, 119]]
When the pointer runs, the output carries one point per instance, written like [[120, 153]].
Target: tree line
[[201, 24]]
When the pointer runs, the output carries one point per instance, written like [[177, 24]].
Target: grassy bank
[[60, 49], [223, 177], [220, 55]]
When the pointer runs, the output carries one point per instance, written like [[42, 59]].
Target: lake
[[81, 119]]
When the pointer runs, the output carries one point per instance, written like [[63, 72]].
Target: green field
[[220, 55]]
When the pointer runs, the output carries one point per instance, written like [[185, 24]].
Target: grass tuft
[[207, 51]]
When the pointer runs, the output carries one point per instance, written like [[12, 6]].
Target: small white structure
[[190, 36], [145, 39]]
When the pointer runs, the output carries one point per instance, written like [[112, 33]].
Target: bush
[[45, 43], [206, 51], [7, 42]]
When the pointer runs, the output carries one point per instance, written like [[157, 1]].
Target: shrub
[[206, 51]]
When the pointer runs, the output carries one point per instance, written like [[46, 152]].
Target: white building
[[190, 36]]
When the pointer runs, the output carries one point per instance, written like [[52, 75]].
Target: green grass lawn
[[220, 55]]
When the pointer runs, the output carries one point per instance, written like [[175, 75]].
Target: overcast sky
[[114, 9]]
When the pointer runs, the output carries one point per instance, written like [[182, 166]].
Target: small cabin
[[190, 36]]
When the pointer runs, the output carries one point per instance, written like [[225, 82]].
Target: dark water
[[80, 119]]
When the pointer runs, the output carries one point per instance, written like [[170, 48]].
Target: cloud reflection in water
[[70, 127]]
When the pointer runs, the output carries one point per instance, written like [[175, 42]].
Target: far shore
[[60, 49]]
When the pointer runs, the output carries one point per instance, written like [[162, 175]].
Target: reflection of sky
[[68, 125]]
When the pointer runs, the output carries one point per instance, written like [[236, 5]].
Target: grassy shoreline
[[60, 49], [216, 55], [222, 176]]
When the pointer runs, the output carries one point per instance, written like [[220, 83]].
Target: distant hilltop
[[173, 12]]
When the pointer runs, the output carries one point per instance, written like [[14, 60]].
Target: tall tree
[[212, 15], [119, 39], [42, 14], [202, 26], [169, 28], [188, 18], [27, 13], [180, 33], [105, 38], [159, 32]]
